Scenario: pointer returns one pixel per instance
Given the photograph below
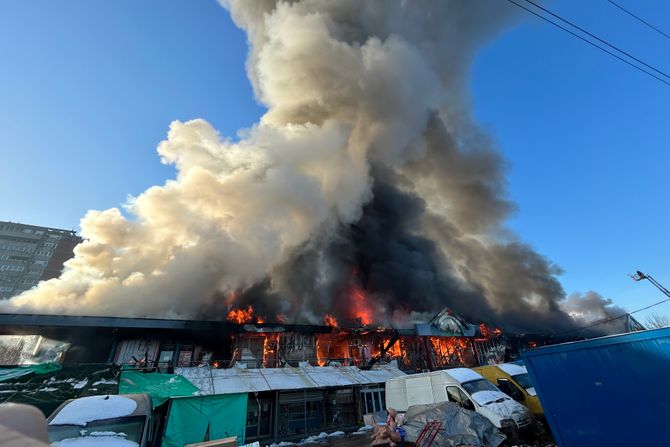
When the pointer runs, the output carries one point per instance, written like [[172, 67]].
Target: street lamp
[[639, 276]]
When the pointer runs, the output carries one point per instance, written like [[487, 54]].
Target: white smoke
[[350, 86]]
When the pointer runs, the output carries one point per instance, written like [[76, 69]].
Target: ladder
[[428, 434]]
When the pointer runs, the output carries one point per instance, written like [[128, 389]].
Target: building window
[[340, 408], [11, 268], [373, 400], [6, 289], [300, 413]]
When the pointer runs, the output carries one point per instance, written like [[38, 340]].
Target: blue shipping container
[[610, 391]]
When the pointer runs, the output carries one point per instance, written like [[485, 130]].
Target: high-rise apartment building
[[30, 254]]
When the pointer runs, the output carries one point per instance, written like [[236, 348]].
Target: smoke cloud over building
[[366, 191]]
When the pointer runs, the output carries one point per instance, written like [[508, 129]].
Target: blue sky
[[88, 89]]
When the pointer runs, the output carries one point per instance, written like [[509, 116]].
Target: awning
[[160, 387], [241, 380]]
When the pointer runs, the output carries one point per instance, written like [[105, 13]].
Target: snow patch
[[79, 385], [512, 369], [463, 375], [105, 382], [86, 409], [95, 441]]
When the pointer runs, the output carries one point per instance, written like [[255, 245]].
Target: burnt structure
[[156, 343]]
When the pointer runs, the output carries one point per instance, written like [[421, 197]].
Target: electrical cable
[[661, 32], [597, 38], [607, 320], [591, 43]]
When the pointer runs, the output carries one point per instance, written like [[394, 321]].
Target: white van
[[462, 386], [122, 420]]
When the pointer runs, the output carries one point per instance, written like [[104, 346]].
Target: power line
[[607, 320], [598, 38], [514, 2], [661, 32]]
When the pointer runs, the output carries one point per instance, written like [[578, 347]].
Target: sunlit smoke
[[367, 158]]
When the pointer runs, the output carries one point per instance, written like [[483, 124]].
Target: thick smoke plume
[[365, 176]]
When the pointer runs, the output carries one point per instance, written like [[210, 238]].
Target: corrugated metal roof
[[242, 380], [607, 391]]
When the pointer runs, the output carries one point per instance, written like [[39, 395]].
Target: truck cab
[[514, 381], [465, 388]]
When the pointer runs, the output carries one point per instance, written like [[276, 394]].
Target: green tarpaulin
[[160, 387], [40, 368], [196, 419]]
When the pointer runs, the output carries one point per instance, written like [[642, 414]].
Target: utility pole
[[639, 276]]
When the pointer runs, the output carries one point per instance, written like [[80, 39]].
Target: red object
[[428, 434]]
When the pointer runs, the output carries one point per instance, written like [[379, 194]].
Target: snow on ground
[[315, 439], [86, 409]]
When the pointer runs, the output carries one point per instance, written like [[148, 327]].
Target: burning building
[[445, 341], [366, 191]]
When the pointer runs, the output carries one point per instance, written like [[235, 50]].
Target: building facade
[[30, 254]]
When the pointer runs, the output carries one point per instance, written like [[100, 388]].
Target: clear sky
[[88, 89]]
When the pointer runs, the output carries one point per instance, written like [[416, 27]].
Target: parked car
[[463, 387], [114, 420], [514, 381]]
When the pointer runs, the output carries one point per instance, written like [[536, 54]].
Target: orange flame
[[270, 349], [361, 311], [260, 320], [450, 351], [488, 333], [332, 347], [394, 350], [330, 320], [241, 316]]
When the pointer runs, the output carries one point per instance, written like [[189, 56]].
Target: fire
[[361, 311], [487, 333], [270, 350], [451, 351], [394, 350], [281, 318], [330, 320], [333, 347], [241, 316], [260, 320]]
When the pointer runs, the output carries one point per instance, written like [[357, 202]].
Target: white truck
[[463, 387]]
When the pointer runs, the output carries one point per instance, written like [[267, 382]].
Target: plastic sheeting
[[42, 368], [459, 426], [30, 350], [160, 387], [196, 419]]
